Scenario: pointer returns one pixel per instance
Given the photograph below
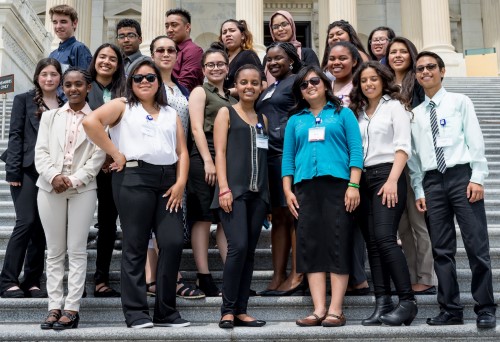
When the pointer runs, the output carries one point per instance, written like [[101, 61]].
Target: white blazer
[[49, 153]]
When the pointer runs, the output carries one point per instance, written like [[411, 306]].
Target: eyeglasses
[[219, 65], [431, 66], [314, 81], [137, 78], [170, 50], [379, 41], [282, 25], [130, 35]]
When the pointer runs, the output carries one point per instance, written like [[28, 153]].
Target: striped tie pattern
[[441, 164]]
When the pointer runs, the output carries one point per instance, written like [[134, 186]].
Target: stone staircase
[[102, 319]]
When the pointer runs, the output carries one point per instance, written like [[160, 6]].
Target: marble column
[[411, 14], [343, 9], [253, 13], [436, 35], [490, 10], [48, 22], [323, 22], [153, 21], [84, 28]]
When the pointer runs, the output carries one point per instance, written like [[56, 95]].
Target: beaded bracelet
[[225, 192], [353, 185]]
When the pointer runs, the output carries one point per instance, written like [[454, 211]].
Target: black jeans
[[106, 218], [445, 196], [242, 227], [27, 241], [138, 194], [379, 225]]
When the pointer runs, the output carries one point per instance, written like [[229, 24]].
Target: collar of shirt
[[68, 42], [384, 99], [85, 110], [436, 98], [133, 56], [182, 45], [214, 90], [329, 105]]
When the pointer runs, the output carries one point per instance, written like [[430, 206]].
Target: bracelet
[[225, 192], [353, 185]]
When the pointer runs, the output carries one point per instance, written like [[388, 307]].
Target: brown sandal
[[310, 322], [332, 320], [51, 318]]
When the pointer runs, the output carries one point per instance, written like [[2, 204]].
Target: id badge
[[443, 141], [317, 134], [148, 129], [262, 141]]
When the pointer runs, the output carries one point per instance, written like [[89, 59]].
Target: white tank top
[[140, 138]]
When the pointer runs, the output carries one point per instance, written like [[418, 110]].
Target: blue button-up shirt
[[71, 52]]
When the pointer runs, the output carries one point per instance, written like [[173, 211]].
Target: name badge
[[148, 129], [317, 134], [443, 141], [262, 141]]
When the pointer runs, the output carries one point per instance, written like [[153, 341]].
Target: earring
[[291, 66]]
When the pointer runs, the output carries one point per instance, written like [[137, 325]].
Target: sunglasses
[[430, 67], [170, 50], [137, 78], [314, 81]]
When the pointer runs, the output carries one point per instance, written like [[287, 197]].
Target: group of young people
[[185, 138]]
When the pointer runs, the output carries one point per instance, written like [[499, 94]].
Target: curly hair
[[290, 51], [353, 38], [38, 99], [359, 100], [118, 78], [129, 23], [247, 42], [301, 102]]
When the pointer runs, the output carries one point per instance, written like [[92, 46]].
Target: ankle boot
[[404, 313], [206, 284], [383, 305]]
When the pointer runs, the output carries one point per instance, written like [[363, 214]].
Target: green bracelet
[[353, 185]]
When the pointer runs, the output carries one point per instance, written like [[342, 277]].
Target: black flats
[[71, 324], [51, 319], [236, 322], [226, 324]]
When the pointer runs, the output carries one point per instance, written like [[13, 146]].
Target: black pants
[[379, 225], [138, 194], [445, 196], [242, 227], [27, 241], [106, 218]]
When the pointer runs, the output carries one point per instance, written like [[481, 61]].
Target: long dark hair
[[353, 38], [390, 35], [359, 100], [38, 99], [301, 102], [160, 97], [352, 49], [408, 82], [118, 79]]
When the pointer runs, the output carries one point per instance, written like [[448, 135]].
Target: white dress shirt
[[458, 126], [386, 132]]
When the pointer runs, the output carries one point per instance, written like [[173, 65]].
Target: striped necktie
[[441, 164]]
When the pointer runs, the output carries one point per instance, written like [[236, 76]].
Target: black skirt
[[325, 228]]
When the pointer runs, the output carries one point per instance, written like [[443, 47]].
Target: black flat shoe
[[106, 292], [445, 318], [36, 293], [430, 291], [226, 324], [72, 324], [252, 324], [301, 288], [48, 324], [18, 293], [486, 320]]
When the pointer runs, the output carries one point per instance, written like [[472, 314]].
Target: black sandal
[[105, 291], [49, 323], [188, 292], [148, 289]]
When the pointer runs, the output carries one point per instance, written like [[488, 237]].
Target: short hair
[[118, 78], [181, 12], [390, 34], [351, 32], [291, 52], [243, 27], [301, 102], [438, 59], [352, 49], [160, 96], [64, 10], [129, 23]]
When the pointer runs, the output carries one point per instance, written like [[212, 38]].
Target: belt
[[142, 163]]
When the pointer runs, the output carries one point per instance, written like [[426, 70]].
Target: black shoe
[[13, 294], [253, 293], [383, 305], [141, 323], [404, 313], [446, 318], [36, 293], [56, 314], [252, 324], [358, 292], [301, 289], [486, 320], [226, 323], [72, 324], [430, 291], [206, 284], [106, 292], [176, 323]]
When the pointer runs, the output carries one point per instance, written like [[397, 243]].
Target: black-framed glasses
[[283, 24], [170, 50], [430, 67], [137, 78], [313, 80], [212, 65], [382, 40], [130, 35]]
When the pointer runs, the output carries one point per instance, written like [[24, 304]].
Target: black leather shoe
[[226, 324], [430, 291], [252, 324], [36, 293], [404, 313], [446, 318], [72, 324], [18, 293], [486, 320], [383, 305], [52, 318]]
